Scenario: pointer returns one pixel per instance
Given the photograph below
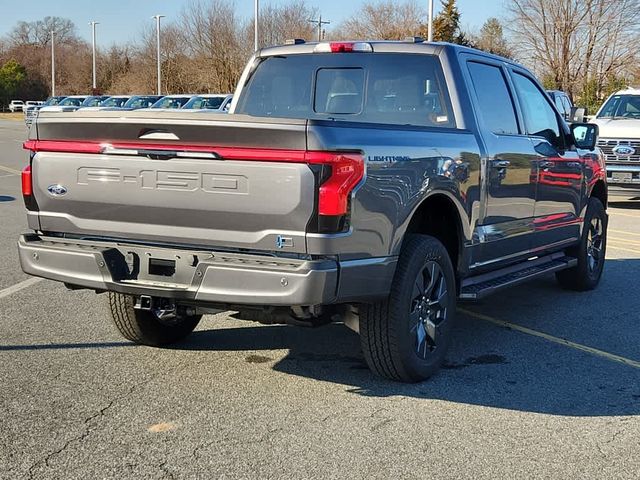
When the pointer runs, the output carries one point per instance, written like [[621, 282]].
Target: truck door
[[560, 171], [510, 170]]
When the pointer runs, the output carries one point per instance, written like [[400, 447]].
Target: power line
[[319, 23]]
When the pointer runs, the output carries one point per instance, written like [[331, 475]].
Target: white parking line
[[10, 170], [19, 286]]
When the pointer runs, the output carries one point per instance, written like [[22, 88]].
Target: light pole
[[158, 17], [93, 27], [256, 19], [430, 22], [320, 23], [53, 64]]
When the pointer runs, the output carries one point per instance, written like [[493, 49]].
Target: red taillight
[[347, 169], [62, 146], [27, 188]]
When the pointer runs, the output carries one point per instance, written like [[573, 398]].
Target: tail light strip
[[347, 169]]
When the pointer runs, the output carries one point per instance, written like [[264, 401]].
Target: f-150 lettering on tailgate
[[166, 180]]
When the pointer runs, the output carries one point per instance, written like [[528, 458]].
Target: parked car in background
[[32, 103], [16, 106], [170, 102], [32, 111], [210, 102], [140, 101], [619, 122], [69, 104], [565, 106], [114, 101], [93, 101]]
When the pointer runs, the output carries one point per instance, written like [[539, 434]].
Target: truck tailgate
[[159, 180]]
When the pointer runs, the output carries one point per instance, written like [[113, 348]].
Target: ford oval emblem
[[624, 150], [57, 190]]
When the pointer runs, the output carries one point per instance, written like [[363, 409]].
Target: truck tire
[[590, 252], [144, 327], [406, 336]]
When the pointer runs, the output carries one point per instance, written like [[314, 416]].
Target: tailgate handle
[[158, 154], [157, 135]]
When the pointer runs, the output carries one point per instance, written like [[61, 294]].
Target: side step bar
[[475, 288]]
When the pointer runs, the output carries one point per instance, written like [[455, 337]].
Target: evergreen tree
[[446, 25], [12, 76]]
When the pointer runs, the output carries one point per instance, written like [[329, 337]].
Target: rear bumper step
[[201, 276], [475, 288]]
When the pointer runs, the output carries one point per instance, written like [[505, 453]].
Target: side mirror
[[585, 135]]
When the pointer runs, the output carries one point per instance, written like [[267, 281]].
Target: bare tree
[[384, 20], [575, 42], [281, 22]]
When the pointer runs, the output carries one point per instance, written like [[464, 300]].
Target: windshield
[[92, 101], [141, 101], [53, 101], [621, 106], [114, 102], [72, 102], [205, 102], [393, 89], [171, 102]]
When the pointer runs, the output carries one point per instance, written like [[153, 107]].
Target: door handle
[[501, 163]]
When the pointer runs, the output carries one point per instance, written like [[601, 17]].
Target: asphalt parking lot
[[541, 383]]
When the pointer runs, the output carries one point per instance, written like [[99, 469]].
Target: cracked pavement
[[240, 400]]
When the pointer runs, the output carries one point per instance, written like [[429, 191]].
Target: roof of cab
[[411, 45]]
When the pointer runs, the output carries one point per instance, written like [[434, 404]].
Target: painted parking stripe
[[19, 286], [10, 170], [624, 249], [560, 341], [626, 241], [623, 232]]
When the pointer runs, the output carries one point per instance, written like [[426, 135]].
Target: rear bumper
[[204, 276]]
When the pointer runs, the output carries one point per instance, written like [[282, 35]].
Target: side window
[[560, 105], [496, 105], [539, 118], [567, 105]]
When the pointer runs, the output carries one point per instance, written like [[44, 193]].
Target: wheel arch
[[599, 191], [440, 215]]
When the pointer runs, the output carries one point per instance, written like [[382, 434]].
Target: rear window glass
[[405, 89]]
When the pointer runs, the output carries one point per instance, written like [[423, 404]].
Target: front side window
[[72, 102], [539, 117], [393, 89], [496, 105], [171, 102], [210, 103]]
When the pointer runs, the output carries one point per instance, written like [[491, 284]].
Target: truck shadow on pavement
[[488, 365]]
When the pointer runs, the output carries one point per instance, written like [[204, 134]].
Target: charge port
[[162, 267]]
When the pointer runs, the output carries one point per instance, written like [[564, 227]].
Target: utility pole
[[53, 64], [430, 22], [319, 22], [256, 19], [93, 35], [158, 17]]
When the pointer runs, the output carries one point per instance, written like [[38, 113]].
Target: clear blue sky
[[122, 20]]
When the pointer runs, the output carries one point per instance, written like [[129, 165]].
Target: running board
[[480, 286]]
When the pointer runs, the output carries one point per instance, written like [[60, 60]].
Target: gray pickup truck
[[371, 182]]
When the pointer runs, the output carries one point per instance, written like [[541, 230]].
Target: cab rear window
[[396, 89]]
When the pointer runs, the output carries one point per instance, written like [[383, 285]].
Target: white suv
[[16, 106], [619, 123]]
